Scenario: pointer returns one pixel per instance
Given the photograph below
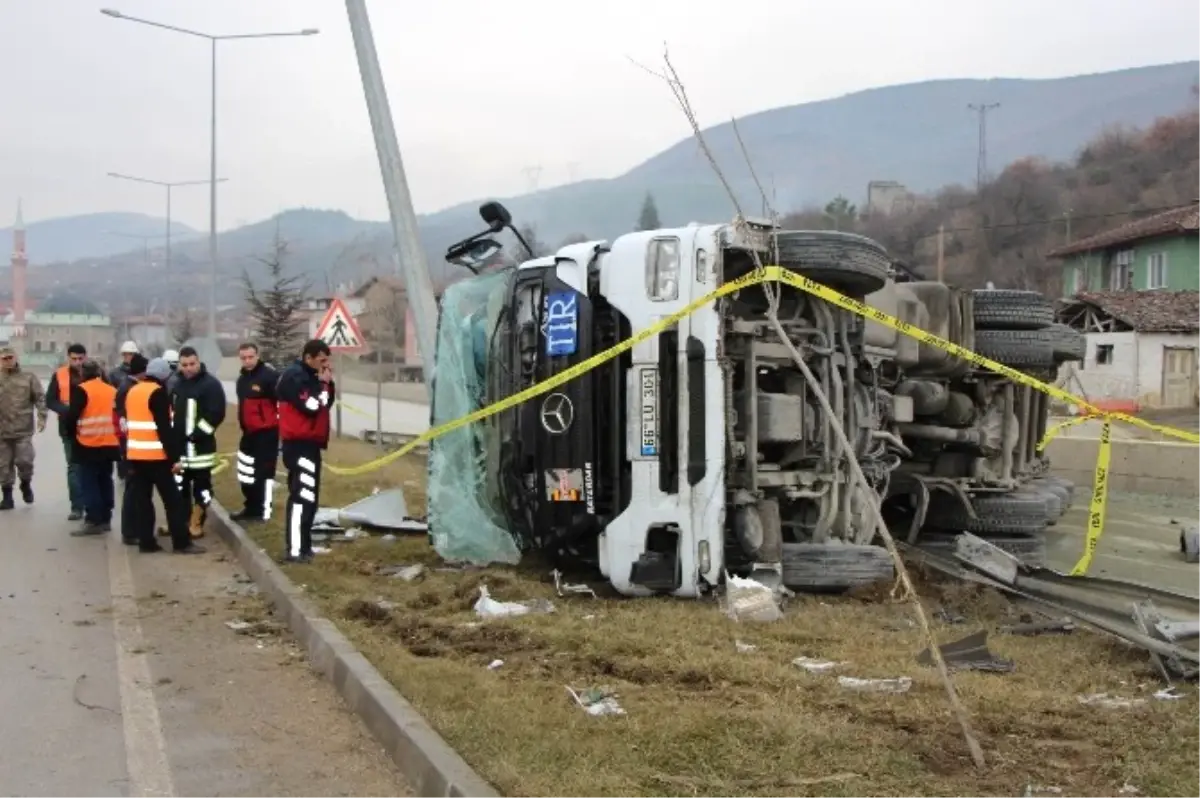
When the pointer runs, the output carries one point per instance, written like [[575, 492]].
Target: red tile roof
[[1144, 311], [1175, 221]]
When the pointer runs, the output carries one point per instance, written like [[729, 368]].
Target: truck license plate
[[649, 412]]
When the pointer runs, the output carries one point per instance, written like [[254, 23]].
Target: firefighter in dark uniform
[[305, 392], [197, 409], [258, 449]]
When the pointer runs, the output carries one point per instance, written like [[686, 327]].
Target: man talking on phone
[[305, 393]]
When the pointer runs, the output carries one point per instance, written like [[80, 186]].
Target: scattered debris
[[409, 573], [75, 695], [969, 654], [254, 628], [949, 616], [1151, 623], [816, 665], [1049, 626], [1110, 702], [744, 648], [320, 549], [899, 685], [1169, 694], [1189, 543], [597, 701], [1128, 789], [563, 588], [748, 600], [494, 664], [1032, 790], [987, 557], [488, 607]]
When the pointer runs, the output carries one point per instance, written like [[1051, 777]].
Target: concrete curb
[[431, 766]]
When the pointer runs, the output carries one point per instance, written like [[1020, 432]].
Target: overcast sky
[[479, 89]]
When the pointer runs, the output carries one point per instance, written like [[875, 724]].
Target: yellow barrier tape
[[1058, 429], [1099, 503], [354, 409], [779, 274]]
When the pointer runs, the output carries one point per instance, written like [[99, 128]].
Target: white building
[[1141, 347]]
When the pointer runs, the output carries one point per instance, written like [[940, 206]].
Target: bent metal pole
[[413, 268]]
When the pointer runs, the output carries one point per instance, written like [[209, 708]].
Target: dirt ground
[[706, 715]]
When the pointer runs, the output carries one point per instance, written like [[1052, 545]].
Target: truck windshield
[[466, 514]]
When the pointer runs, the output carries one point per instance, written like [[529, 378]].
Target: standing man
[[258, 450], [116, 377], [137, 372], [96, 447], [305, 393], [20, 397], [198, 407], [154, 451], [58, 399]]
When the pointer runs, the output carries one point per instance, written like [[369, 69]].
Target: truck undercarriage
[[704, 450]]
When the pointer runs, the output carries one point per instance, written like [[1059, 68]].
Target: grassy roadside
[[704, 718]]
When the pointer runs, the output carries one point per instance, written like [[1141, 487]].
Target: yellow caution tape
[[353, 409], [1058, 429], [1095, 527], [779, 274]]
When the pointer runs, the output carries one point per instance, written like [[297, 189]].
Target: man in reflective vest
[[306, 392], [135, 371], [96, 447], [153, 452], [198, 408], [58, 399], [258, 449]]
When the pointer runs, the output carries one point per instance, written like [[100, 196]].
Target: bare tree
[[184, 328]]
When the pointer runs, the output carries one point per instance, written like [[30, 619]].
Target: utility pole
[[981, 164], [410, 255], [532, 175], [941, 261]]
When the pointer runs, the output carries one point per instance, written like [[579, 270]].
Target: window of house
[[54, 346], [1122, 271], [37, 346], [1104, 354], [1156, 270]]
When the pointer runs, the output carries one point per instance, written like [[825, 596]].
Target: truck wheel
[[1017, 348], [1003, 309], [1069, 344], [852, 264], [834, 566], [1030, 551], [1018, 513], [1065, 485], [1054, 503], [1059, 491]]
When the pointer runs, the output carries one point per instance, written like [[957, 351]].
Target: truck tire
[[1069, 344], [1054, 504], [852, 264], [834, 566], [1004, 309], [1017, 348], [1066, 485], [1059, 491], [1017, 513], [1029, 550]]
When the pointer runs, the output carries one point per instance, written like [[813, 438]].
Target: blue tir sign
[[562, 324]]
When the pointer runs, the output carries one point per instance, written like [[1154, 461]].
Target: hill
[[93, 235]]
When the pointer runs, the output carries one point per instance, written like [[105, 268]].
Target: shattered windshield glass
[[466, 517]]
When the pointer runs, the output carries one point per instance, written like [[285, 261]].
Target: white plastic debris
[[1032, 790], [408, 573], [900, 685], [744, 648], [563, 588], [1109, 701], [494, 664], [597, 702], [488, 607], [1169, 694], [748, 600], [1128, 789], [813, 665], [320, 549]]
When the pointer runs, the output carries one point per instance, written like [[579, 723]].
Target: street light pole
[[167, 234], [212, 197]]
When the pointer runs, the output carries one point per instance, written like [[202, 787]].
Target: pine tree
[[274, 311], [648, 218]]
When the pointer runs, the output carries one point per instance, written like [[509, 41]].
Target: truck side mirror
[[495, 216]]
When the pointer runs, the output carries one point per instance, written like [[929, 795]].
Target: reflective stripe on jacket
[[141, 432], [95, 425]]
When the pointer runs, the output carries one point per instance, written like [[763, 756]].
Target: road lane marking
[[145, 748]]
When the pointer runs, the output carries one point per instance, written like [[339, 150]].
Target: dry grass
[[705, 719]]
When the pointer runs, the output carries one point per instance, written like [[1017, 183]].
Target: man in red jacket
[[259, 448], [305, 392]]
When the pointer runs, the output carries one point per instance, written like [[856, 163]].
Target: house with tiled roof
[[1154, 253]]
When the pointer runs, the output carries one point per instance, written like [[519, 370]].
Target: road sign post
[[340, 331]]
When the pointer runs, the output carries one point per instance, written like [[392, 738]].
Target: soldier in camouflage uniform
[[21, 396]]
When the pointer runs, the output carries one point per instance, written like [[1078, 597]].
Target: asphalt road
[[119, 676], [405, 418]]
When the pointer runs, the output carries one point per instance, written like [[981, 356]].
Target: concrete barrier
[[1166, 468]]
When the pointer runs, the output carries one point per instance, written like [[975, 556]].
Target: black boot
[[26, 491], [6, 503]]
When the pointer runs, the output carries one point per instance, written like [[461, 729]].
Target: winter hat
[[137, 364], [158, 369]]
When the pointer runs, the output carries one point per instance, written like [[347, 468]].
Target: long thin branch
[[671, 77]]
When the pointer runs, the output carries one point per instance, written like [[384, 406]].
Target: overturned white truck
[[703, 451]]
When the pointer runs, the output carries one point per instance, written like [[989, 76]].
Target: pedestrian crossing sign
[[339, 330]]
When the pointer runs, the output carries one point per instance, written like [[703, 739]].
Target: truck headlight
[[662, 269]]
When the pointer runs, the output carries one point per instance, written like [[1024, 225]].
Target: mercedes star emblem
[[557, 413]]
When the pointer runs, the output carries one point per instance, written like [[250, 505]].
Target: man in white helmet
[[117, 377], [172, 358]]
